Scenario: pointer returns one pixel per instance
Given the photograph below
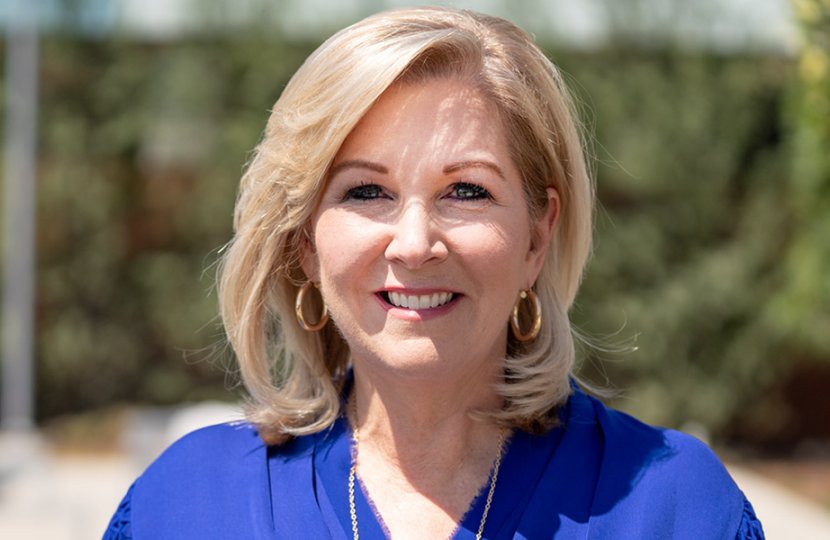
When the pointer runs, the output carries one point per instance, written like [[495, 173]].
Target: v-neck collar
[[522, 466], [332, 459]]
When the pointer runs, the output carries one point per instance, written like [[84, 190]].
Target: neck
[[420, 455], [417, 425]]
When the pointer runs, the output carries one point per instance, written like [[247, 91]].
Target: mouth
[[418, 301]]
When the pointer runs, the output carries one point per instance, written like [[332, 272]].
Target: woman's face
[[422, 239]]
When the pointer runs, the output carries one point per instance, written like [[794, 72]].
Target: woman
[[409, 237]]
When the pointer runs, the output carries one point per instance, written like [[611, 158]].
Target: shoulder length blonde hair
[[295, 377]]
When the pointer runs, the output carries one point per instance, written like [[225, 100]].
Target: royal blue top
[[600, 474]]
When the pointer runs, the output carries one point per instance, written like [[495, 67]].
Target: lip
[[420, 313]]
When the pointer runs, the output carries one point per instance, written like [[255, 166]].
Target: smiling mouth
[[417, 301]]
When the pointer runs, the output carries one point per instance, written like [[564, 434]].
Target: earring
[[537, 317], [298, 310]]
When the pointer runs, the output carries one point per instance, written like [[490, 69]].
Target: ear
[[542, 230], [308, 256]]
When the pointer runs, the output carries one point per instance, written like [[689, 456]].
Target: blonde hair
[[295, 377]]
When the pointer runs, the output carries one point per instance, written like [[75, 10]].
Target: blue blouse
[[600, 474]]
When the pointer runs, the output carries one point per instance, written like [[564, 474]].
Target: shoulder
[[221, 450], [631, 441], [218, 472], [660, 480], [218, 442], [214, 448]]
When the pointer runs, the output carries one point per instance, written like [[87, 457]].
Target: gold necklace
[[353, 473]]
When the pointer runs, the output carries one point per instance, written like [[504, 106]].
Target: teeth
[[419, 302]]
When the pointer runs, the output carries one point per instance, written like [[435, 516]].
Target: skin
[[424, 201]]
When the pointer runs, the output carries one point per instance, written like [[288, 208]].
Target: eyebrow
[[358, 164], [449, 169], [453, 167]]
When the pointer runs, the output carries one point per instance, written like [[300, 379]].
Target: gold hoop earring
[[537, 317], [298, 310]]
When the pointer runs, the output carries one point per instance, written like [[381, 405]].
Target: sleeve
[[120, 526], [750, 526]]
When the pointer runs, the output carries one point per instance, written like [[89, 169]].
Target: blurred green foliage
[[141, 148], [712, 249], [802, 308], [710, 237], [693, 173]]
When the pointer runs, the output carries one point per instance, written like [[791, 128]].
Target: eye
[[363, 192], [467, 191]]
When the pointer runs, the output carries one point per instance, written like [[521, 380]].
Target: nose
[[416, 238]]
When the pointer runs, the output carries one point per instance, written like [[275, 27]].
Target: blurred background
[[127, 124]]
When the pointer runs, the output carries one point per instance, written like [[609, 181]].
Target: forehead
[[438, 116]]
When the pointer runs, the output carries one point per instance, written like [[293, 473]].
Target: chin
[[409, 358], [421, 359]]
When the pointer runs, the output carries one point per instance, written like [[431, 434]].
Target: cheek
[[344, 245], [495, 268], [497, 246]]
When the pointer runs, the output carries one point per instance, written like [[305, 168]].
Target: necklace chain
[[353, 473]]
